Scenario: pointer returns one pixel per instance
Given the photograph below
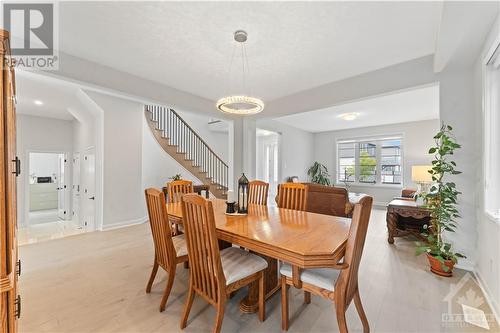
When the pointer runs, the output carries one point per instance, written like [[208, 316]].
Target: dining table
[[302, 239]]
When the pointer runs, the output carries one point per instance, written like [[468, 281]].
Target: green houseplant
[[176, 177], [319, 174], [442, 204]]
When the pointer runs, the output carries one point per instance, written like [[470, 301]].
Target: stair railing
[[188, 142]]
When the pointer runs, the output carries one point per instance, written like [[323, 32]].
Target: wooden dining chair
[[177, 188], [257, 192], [215, 273], [169, 250], [292, 196], [339, 284]]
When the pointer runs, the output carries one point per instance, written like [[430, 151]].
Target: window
[[346, 153], [491, 133], [374, 161], [390, 161]]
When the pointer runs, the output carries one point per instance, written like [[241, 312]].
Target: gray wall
[[417, 138]]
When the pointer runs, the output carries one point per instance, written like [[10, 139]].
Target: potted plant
[[441, 201], [176, 177], [319, 174]]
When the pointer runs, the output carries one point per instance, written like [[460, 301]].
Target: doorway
[[47, 198], [46, 188], [268, 166]]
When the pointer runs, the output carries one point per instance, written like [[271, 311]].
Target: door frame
[[27, 181]]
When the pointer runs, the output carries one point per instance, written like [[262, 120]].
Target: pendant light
[[240, 104]]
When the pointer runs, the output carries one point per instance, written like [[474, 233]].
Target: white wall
[[297, 149], [43, 164], [417, 139], [122, 198], [42, 135], [488, 230]]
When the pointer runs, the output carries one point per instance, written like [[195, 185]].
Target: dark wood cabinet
[[10, 301]]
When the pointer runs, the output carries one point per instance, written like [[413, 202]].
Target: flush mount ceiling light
[[241, 104], [38, 102], [349, 116]]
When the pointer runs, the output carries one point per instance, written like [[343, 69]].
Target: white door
[[76, 190], [87, 190], [61, 187]]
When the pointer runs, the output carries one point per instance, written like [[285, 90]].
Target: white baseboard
[[380, 204], [124, 224], [465, 265], [487, 292]]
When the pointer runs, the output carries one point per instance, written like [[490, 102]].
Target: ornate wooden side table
[[405, 217]]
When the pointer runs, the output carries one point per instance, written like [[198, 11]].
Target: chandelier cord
[[250, 90], [229, 71]]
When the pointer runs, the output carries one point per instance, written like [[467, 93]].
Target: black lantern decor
[[243, 195]]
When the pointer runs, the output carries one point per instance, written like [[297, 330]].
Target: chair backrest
[[160, 227], [328, 200], [347, 282], [292, 196], [177, 188], [257, 192], [205, 267]]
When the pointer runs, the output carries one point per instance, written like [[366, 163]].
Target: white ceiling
[[400, 107], [56, 96], [292, 46]]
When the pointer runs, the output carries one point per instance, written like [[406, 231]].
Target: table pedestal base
[[250, 304]]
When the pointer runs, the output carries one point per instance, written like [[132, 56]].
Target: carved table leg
[[392, 220], [250, 303]]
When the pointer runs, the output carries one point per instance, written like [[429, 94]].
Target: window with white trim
[[491, 95], [370, 161]]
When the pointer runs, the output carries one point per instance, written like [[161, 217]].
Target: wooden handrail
[[181, 135]]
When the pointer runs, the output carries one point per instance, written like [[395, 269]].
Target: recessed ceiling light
[[38, 102], [349, 116]]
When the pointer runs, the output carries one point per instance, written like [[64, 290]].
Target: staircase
[[181, 142]]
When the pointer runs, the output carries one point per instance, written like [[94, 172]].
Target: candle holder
[[230, 207]]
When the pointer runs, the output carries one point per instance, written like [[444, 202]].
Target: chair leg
[[284, 304], [341, 318], [262, 298], [220, 315], [170, 283], [307, 297], [361, 312], [187, 307], [152, 277]]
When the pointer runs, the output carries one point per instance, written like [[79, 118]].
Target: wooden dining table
[[302, 239]]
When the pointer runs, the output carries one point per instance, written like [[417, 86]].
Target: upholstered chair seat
[[324, 278], [237, 264], [180, 245]]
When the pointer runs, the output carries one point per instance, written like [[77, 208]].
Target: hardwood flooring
[[95, 282]]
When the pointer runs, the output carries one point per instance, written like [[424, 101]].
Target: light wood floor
[[95, 282]]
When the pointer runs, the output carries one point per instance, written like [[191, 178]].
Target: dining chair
[[257, 192], [214, 273], [169, 250], [338, 284], [292, 196], [177, 188]]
